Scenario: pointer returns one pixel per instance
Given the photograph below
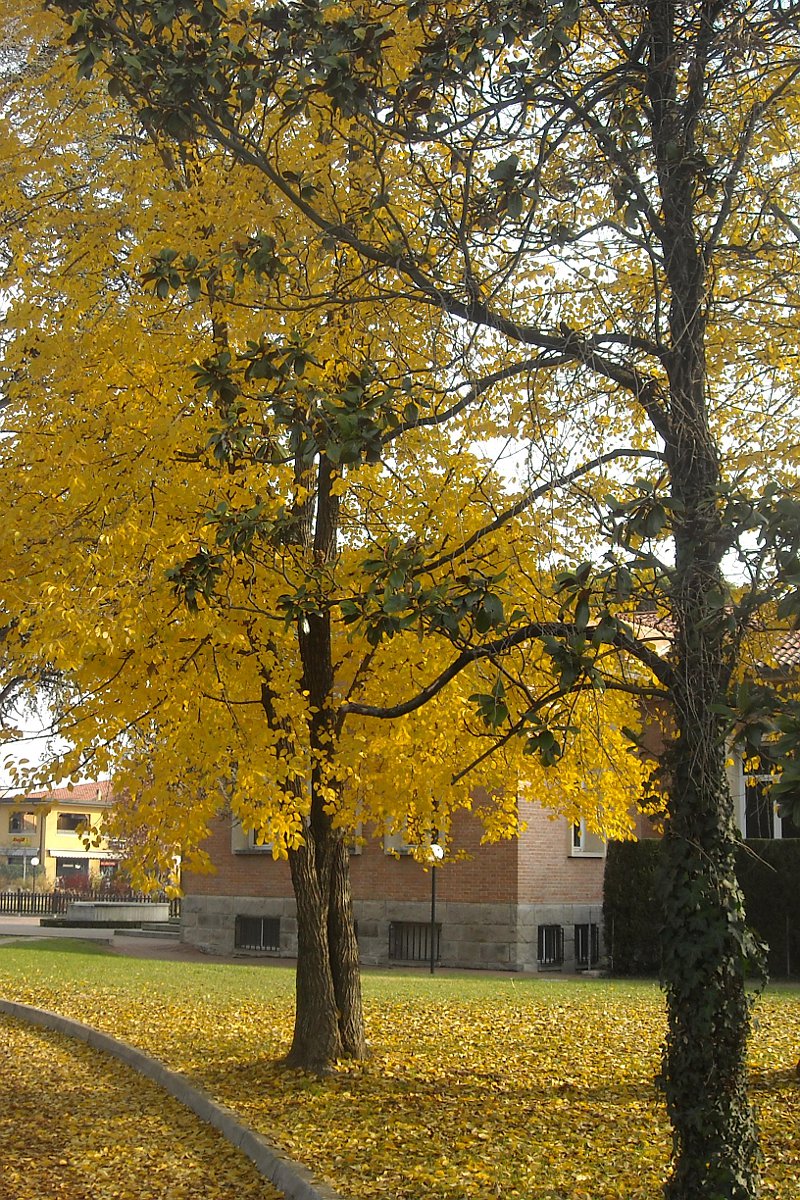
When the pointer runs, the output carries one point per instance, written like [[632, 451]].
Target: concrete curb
[[294, 1180]]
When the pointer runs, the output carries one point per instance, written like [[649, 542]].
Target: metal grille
[[551, 946], [55, 903], [410, 941], [258, 933], [587, 946]]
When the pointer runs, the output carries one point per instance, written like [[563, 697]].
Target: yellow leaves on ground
[[476, 1087], [77, 1125]]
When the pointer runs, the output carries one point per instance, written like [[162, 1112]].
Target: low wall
[[105, 912]]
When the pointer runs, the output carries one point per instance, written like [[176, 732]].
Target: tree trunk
[[704, 963], [705, 939], [704, 936], [329, 1020], [317, 1041], [344, 955]]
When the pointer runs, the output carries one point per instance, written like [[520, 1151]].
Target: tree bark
[[329, 1020], [344, 955], [316, 1042], [704, 937]]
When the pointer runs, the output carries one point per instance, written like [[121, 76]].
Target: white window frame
[[583, 843], [396, 844], [354, 839], [245, 843], [738, 780]]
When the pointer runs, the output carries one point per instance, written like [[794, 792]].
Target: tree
[[249, 499], [605, 194]]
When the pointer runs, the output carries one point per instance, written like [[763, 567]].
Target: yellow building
[[40, 836]]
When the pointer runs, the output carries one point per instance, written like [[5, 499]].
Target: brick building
[[527, 904], [533, 902]]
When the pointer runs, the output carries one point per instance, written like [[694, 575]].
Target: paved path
[[133, 946]]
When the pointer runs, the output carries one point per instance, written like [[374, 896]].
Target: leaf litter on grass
[[511, 1089], [76, 1124]]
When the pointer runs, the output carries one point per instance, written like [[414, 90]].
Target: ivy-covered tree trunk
[[704, 937], [714, 1136]]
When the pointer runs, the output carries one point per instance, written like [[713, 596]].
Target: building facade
[[41, 838], [530, 903]]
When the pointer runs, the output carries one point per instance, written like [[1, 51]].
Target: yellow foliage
[[105, 469]]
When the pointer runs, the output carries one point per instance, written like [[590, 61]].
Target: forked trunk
[[317, 1041], [329, 1021]]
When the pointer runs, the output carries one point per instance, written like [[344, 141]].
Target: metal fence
[[410, 941], [54, 904]]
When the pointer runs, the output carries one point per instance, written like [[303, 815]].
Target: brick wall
[[489, 875], [537, 868], [256, 874], [548, 874]]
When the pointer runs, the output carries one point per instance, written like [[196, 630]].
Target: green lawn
[[482, 1087]]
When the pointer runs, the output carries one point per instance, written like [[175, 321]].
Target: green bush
[[769, 874], [768, 871], [631, 913]]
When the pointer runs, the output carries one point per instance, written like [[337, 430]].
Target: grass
[[477, 1086]]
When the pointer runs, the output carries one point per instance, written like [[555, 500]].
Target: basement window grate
[[258, 933], [410, 941]]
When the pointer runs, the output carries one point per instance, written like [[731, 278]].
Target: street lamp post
[[34, 864], [437, 854]]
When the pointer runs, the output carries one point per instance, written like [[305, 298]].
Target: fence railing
[[54, 904]]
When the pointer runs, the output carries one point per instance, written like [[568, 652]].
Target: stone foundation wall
[[497, 937]]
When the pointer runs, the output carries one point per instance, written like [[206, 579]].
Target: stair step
[[153, 930]]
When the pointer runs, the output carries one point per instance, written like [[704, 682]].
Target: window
[[587, 946], [396, 843], [551, 946], [22, 823], [410, 941], [248, 843], [760, 817], [584, 843], [414, 836], [355, 840], [72, 871], [257, 933], [69, 822]]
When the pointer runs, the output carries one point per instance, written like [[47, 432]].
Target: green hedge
[[769, 875], [631, 913]]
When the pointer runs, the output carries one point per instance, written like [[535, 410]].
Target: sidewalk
[[14, 927], [125, 943]]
